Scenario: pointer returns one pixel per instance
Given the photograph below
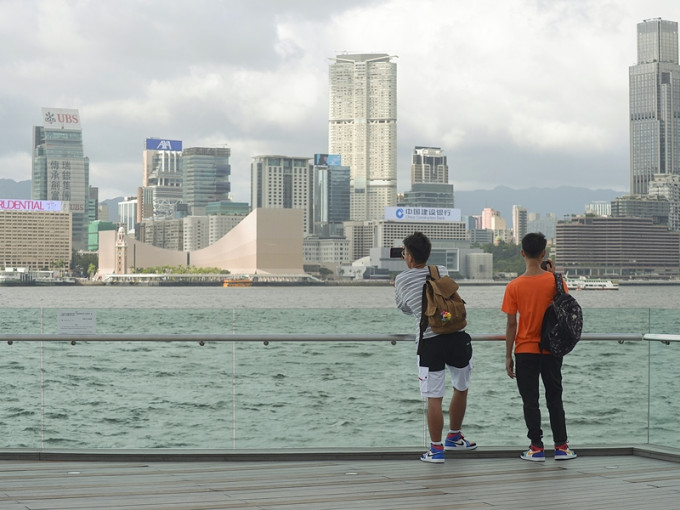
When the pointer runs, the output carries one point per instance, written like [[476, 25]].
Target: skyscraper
[[519, 223], [331, 195], [429, 165], [429, 180], [282, 182], [654, 104], [363, 129], [60, 171], [162, 179], [205, 177]]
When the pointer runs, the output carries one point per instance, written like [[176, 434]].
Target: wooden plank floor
[[619, 482]]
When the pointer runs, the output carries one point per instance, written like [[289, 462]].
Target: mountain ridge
[[562, 201]]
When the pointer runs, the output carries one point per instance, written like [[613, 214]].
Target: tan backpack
[[443, 308]]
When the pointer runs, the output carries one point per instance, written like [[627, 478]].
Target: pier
[[625, 478], [637, 473]]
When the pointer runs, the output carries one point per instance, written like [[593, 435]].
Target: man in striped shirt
[[437, 352]]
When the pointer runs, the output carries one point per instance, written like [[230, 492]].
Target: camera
[[396, 252]]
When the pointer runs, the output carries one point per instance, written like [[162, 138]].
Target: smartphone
[[395, 252]]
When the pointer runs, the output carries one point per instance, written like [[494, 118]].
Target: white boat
[[584, 283]]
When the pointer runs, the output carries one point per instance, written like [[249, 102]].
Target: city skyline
[[514, 94]]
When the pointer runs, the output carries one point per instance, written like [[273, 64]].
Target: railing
[[307, 389]]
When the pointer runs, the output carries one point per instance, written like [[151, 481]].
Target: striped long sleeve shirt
[[408, 294]]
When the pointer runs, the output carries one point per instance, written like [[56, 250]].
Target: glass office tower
[[654, 104], [205, 177], [60, 171], [331, 195]]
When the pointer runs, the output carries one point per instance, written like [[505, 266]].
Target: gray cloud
[[513, 90]]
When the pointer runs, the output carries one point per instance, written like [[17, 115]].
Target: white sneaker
[[459, 444], [433, 455]]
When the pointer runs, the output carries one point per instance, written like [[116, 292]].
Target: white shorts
[[432, 384]]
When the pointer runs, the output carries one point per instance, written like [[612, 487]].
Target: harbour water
[[306, 394]]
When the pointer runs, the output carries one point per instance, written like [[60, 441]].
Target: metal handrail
[[201, 339], [663, 338]]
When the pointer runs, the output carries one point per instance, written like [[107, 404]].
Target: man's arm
[[399, 297], [510, 332]]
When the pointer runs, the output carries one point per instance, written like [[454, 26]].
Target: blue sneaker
[[434, 454], [458, 442], [564, 453], [534, 454]]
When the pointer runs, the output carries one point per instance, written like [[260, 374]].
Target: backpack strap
[[560, 290], [423, 305], [559, 283]]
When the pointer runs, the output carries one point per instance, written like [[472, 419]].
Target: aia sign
[[60, 118], [156, 144]]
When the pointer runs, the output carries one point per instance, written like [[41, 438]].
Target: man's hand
[[510, 367]]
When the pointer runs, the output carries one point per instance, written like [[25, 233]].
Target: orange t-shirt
[[529, 296]]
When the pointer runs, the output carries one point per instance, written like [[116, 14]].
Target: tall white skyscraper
[[654, 104], [363, 129]]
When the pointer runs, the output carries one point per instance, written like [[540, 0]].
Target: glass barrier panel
[[664, 393], [138, 395], [295, 394], [664, 321], [21, 408]]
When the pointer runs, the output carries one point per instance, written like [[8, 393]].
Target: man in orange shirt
[[529, 295]]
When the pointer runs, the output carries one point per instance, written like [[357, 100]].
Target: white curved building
[[267, 241]]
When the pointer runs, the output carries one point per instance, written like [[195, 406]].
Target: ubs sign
[[61, 118], [157, 144]]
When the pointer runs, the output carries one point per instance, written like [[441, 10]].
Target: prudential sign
[[422, 214]]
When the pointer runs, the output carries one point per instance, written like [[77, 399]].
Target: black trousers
[[528, 368]]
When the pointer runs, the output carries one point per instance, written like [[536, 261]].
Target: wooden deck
[[621, 479]]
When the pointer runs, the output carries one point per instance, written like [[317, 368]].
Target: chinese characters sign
[[422, 214]]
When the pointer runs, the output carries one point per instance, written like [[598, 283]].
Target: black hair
[[534, 244], [419, 246]]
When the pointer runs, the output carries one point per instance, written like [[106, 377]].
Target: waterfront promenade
[[57, 383], [614, 478]]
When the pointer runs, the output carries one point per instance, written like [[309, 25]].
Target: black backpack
[[562, 322]]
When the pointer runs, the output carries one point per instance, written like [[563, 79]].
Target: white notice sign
[[76, 322]]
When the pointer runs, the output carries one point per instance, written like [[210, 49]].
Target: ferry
[[238, 282], [584, 283]]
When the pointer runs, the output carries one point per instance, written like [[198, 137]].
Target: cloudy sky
[[517, 92]]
